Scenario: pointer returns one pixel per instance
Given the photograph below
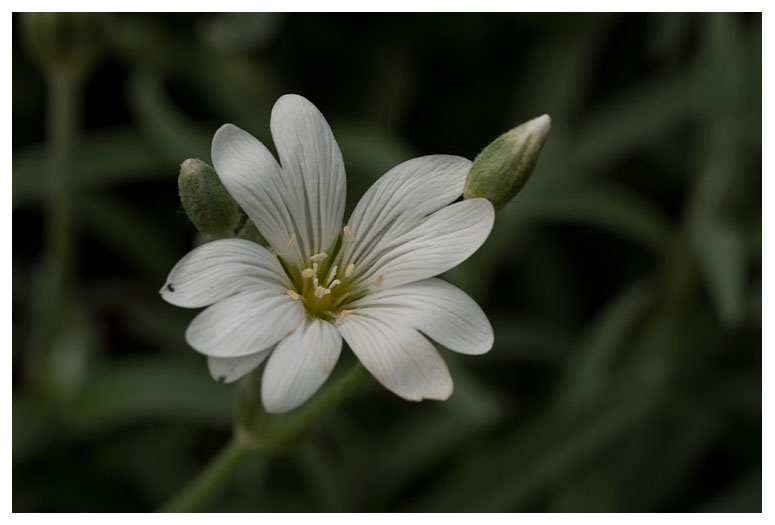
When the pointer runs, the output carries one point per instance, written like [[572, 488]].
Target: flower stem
[[51, 288], [211, 481]]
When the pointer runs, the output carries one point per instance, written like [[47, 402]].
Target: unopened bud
[[206, 201], [503, 167], [66, 43]]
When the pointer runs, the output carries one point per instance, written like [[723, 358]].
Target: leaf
[[723, 266], [130, 232], [508, 473], [177, 137], [143, 390], [602, 205], [589, 371], [647, 113], [103, 159]]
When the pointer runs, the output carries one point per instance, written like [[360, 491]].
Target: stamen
[[341, 316], [349, 270], [290, 242], [293, 295], [320, 292], [349, 233], [318, 257], [333, 283], [331, 275], [378, 280], [307, 273]]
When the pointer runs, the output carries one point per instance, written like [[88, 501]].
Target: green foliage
[[623, 283]]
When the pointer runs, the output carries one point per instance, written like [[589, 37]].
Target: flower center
[[324, 289]]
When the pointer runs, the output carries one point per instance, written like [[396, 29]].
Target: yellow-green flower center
[[324, 288]]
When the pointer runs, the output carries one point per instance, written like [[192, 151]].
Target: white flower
[[369, 280]]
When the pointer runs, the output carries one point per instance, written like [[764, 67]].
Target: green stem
[[51, 290], [213, 479], [210, 481]]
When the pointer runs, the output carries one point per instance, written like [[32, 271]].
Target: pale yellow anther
[[333, 283], [307, 273], [349, 270], [377, 280], [320, 292], [290, 242], [293, 295], [318, 257], [349, 233], [331, 275]]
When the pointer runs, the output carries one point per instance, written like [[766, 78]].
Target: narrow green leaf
[[103, 159], [144, 390]]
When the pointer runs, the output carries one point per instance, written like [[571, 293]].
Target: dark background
[[623, 283]]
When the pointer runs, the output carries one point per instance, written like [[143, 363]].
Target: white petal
[[229, 369], [440, 310], [299, 364], [244, 324], [401, 198], [437, 243], [252, 176], [219, 269], [400, 357], [313, 172]]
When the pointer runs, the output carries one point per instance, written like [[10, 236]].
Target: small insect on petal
[[377, 280], [291, 241], [349, 270]]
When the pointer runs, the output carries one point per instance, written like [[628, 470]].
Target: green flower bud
[[501, 170], [206, 201], [65, 43]]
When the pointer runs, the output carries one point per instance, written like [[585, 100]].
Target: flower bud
[[206, 201], [65, 43], [501, 170]]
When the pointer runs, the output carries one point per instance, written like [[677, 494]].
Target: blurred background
[[623, 283]]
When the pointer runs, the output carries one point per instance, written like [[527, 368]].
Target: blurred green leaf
[[723, 264], [131, 233], [520, 466], [176, 136], [646, 113], [602, 205], [589, 371], [109, 157], [129, 392], [745, 495], [241, 30]]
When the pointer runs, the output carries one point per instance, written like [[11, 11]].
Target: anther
[[320, 292], [319, 257], [291, 241], [293, 295], [331, 275], [307, 273], [349, 233], [349, 270], [333, 283]]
